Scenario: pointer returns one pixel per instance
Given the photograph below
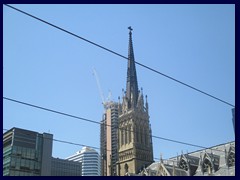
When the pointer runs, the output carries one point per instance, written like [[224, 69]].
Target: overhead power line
[[71, 143], [111, 51], [92, 121], [63, 141], [93, 147], [68, 142]]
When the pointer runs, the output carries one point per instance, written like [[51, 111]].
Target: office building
[[109, 139], [62, 167], [26, 153], [90, 161]]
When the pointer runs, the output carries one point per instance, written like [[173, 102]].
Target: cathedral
[[135, 149]]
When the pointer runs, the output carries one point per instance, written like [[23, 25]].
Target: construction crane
[[99, 88]]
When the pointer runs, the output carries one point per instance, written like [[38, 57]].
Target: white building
[[90, 161]]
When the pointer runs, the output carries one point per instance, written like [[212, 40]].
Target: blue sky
[[47, 67]]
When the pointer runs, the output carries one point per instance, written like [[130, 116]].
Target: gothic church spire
[[132, 84]]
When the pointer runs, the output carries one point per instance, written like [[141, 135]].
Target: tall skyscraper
[[109, 140], [135, 140], [26, 153], [90, 161]]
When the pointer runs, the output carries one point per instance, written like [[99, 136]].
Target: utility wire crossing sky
[[44, 67], [95, 44], [92, 121]]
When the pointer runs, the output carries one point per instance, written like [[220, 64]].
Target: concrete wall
[[46, 154]]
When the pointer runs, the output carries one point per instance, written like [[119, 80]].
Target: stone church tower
[[135, 149]]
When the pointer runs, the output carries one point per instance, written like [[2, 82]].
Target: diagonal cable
[[92, 121], [107, 49]]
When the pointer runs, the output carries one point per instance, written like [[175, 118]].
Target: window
[[130, 134], [183, 165], [122, 137], [146, 138], [137, 134], [231, 159], [126, 168], [141, 135], [126, 135], [207, 166]]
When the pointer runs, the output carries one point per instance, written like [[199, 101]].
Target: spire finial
[[130, 28]]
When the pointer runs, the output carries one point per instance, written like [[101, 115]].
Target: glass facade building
[[26, 153], [62, 167]]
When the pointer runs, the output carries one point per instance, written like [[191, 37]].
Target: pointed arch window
[[126, 168], [137, 134], [130, 134], [141, 135], [122, 137], [207, 166], [146, 138], [183, 164], [126, 135], [231, 157]]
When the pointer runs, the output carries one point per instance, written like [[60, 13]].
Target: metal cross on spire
[[130, 28]]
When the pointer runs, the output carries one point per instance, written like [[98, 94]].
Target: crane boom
[[99, 87]]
